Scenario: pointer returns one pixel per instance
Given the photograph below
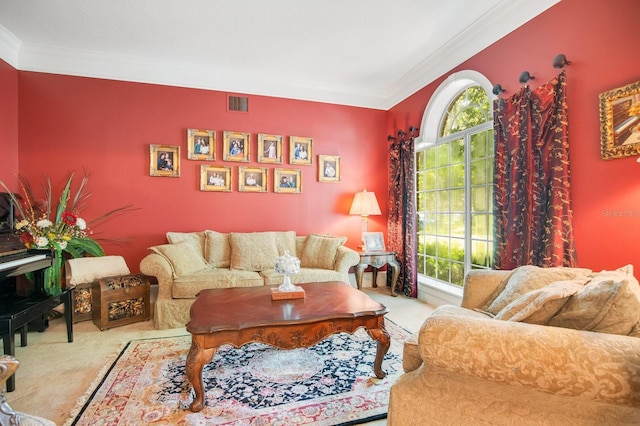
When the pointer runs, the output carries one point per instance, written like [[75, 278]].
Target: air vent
[[238, 103]]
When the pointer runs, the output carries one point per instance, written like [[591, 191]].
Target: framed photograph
[[252, 179], [328, 168], [201, 144], [269, 148], [287, 181], [373, 241], [300, 150], [164, 160], [235, 147], [215, 178], [620, 122]]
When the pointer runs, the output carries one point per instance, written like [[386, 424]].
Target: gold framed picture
[[164, 160], [215, 178], [328, 168], [300, 150], [288, 181], [201, 144], [235, 146], [269, 148], [252, 179], [620, 122]]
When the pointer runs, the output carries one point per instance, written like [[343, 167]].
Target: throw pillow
[[253, 251], [183, 257], [195, 238], [538, 306], [286, 241], [528, 278], [217, 249], [609, 303], [320, 251]]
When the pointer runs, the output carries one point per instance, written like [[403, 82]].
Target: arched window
[[454, 180]]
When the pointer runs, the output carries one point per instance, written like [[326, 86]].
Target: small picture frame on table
[[373, 241], [252, 179], [269, 149], [235, 146], [287, 181], [164, 160], [300, 150], [215, 178], [328, 168], [201, 144]]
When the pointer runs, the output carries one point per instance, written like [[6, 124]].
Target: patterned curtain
[[532, 203], [402, 212]]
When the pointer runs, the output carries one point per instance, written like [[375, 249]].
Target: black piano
[[24, 304]]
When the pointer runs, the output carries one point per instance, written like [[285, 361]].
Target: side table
[[378, 259]]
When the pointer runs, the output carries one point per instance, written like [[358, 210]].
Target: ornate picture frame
[[300, 150], [373, 241], [235, 146], [269, 148], [252, 179], [288, 181], [201, 144], [328, 168], [164, 160], [620, 122], [215, 178]]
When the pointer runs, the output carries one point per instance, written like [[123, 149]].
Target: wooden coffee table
[[238, 316]]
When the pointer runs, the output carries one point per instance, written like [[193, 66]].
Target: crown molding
[[9, 47], [484, 32]]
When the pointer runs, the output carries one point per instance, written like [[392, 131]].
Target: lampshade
[[365, 204]]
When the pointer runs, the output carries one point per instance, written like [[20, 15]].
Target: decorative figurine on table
[[287, 265]]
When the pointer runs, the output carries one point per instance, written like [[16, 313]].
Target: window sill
[[435, 293]]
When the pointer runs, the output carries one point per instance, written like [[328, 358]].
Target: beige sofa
[[195, 261], [552, 346]]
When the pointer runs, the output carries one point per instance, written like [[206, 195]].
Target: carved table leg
[[196, 360], [395, 269], [359, 271], [383, 342]]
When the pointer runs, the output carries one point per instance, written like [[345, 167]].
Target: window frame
[[432, 121]]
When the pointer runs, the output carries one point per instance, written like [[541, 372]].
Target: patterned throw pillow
[[609, 303], [183, 257], [528, 278], [320, 251], [539, 306], [253, 251]]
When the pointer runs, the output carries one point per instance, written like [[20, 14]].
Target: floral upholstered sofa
[[195, 261], [538, 346]]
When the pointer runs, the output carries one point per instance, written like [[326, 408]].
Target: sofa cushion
[[609, 303], [195, 238], [188, 287], [306, 275], [183, 258], [528, 278], [217, 249], [320, 251], [538, 306], [253, 251]]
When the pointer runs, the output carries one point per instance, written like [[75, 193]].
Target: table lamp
[[365, 204]]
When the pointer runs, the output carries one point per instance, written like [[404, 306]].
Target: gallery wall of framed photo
[[237, 147]]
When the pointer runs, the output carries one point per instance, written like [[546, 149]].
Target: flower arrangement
[[59, 228]]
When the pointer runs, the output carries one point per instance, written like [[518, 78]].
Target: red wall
[[8, 125], [601, 41], [70, 123]]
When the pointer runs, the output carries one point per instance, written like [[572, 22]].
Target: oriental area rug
[[331, 383]]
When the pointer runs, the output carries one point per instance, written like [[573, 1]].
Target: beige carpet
[[55, 374]]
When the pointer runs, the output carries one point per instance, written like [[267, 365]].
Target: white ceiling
[[369, 53]]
